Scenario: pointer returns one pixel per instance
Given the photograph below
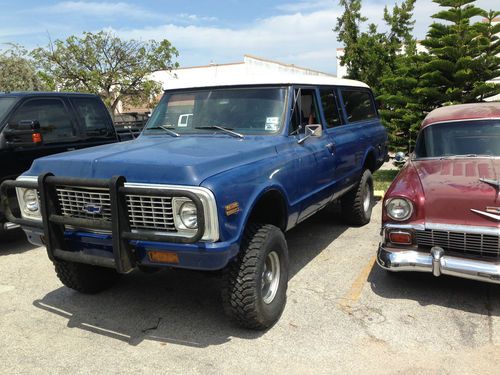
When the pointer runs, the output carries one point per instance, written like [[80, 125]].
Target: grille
[[150, 212], [145, 212], [472, 243], [73, 201]]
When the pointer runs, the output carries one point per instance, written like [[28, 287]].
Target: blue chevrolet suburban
[[219, 174]]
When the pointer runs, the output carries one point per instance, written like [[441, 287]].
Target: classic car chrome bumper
[[438, 264]]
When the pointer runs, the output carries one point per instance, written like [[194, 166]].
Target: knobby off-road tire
[[249, 297], [358, 203], [85, 278]]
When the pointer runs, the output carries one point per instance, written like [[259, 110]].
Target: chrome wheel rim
[[367, 199], [270, 277]]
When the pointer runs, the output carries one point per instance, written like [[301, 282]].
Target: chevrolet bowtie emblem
[[490, 212]]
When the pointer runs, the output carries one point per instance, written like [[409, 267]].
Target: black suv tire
[[255, 284], [355, 208], [85, 278]]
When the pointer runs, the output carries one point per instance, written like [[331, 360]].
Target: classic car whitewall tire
[[255, 284]]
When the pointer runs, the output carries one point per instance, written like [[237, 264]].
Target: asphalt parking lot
[[344, 314]]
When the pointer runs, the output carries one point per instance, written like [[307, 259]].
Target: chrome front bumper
[[437, 263]]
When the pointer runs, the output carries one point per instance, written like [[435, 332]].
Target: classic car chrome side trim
[[438, 264]]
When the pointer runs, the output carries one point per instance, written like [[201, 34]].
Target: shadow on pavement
[[451, 292], [177, 306], [14, 242]]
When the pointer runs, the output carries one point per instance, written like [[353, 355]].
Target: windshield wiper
[[225, 130], [167, 129]]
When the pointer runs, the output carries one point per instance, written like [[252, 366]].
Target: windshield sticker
[[272, 124]]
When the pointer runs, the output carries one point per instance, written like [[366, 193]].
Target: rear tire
[[255, 284], [358, 203], [85, 278]]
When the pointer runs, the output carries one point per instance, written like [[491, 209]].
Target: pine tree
[[348, 29], [455, 73], [402, 109]]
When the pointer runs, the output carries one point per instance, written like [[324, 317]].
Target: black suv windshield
[[5, 105], [460, 138], [244, 110]]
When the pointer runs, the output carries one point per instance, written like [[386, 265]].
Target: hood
[[452, 187], [185, 160]]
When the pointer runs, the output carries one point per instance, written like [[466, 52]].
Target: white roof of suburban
[[261, 79], [251, 71]]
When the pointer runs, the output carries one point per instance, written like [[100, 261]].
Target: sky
[[206, 31]]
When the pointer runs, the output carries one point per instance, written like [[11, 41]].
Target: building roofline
[[286, 65]]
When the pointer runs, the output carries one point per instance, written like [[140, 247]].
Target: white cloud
[[101, 9]]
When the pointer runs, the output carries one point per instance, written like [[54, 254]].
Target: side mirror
[[313, 130], [400, 157], [17, 133], [33, 125]]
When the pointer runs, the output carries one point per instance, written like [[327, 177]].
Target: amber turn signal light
[[401, 238], [163, 257], [36, 137]]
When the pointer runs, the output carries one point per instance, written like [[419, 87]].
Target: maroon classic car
[[442, 212]]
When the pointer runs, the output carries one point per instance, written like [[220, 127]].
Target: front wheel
[[358, 203], [85, 278], [255, 284]]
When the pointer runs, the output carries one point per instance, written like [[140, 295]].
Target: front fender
[[245, 185]]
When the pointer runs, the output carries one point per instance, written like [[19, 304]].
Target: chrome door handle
[[331, 147]]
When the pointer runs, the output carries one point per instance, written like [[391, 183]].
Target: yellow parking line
[[354, 292]]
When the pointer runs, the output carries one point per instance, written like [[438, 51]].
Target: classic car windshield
[[5, 105], [244, 110], [461, 138]]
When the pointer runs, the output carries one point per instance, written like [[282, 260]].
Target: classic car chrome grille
[[151, 212], [73, 202], [475, 244], [145, 212]]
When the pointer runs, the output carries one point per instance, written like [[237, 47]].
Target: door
[[57, 126], [316, 154]]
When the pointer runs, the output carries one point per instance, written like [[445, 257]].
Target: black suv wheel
[[85, 278], [254, 292], [358, 203]]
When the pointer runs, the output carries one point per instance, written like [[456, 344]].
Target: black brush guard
[[53, 222]]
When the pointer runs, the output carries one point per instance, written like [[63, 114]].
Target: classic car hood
[[452, 187], [185, 160]]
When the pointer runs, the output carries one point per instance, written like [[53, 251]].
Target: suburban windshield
[[461, 138], [5, 105], [244, 110]]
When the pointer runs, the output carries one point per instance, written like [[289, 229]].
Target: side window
[[330, 108], [305, 110], [358, 105], [55, 121], [93, 115]]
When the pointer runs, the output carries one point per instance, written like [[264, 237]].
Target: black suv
[[37, 124]]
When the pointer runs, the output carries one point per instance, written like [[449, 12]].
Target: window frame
[[82, 128], [357, 89], [71, 117], [316, 99], [340, 113]]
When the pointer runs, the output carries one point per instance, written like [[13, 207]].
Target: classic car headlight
[[29, 203], [185, 214], [188, 214], [399, 209]]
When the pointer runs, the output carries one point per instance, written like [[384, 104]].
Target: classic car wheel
[[85, 278], [254, 292], [358, 203]]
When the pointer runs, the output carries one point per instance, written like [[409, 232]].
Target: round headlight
[[188, 215], [399, 208], [30, 197]]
